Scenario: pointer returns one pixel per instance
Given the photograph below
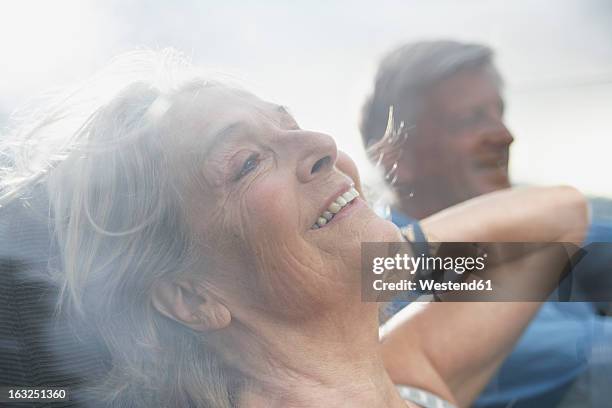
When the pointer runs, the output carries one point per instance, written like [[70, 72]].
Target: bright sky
[[319, 58]]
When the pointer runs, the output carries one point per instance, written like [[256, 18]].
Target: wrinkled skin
[[259, 195]]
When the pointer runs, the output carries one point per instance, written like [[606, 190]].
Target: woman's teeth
[[335, 207]]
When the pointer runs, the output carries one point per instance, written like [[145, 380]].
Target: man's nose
[[499, 134], [317, 154]]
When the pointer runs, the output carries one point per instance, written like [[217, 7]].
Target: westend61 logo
[[427, 266], [468, 271]]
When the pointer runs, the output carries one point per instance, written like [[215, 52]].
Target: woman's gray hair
[[407, 72], [106, 157]]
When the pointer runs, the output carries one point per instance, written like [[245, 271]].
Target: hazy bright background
[[319, 58]]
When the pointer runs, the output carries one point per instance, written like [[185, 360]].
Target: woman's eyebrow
[[287, 118], [223, 135]]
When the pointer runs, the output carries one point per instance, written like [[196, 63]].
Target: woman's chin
[[380, 230]]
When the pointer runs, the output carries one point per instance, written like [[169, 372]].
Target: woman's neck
[[327, 362], [351, 386]]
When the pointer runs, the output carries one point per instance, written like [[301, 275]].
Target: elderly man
[[449, 96]]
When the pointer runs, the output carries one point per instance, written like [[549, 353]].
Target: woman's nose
[[317, 154]]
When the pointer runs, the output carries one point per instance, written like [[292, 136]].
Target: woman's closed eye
[[248, 165]]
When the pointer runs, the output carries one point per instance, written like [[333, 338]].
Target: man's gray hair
[[406, 72]]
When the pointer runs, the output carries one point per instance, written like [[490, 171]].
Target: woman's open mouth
[[343, 201]]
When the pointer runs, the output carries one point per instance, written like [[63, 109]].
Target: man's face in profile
[[460, 146]]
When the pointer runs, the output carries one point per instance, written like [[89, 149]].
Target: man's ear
[[190, 305]]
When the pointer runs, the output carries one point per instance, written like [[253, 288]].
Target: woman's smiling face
[[264, 186]]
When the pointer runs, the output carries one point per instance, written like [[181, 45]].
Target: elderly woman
[[215, 247]]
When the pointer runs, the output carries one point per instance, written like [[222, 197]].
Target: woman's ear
[[190, 305]]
